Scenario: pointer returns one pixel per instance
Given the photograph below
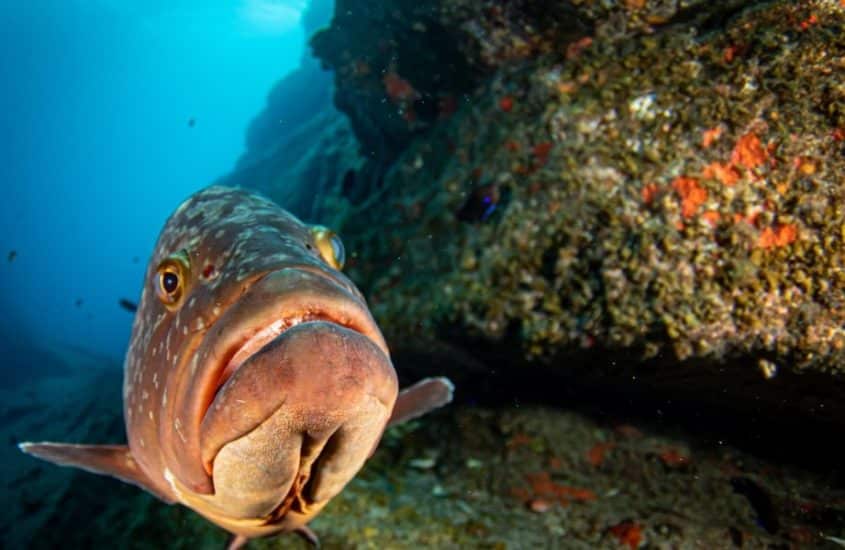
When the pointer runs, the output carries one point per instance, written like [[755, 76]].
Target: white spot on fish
[[182, 207], [177, 425], [168, 477]]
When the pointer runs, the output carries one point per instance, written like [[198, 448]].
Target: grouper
[[256, 383]]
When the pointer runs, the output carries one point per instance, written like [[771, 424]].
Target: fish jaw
[[331, 391], [269, 309]]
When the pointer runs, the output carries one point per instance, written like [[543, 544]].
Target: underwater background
[[617, 226]]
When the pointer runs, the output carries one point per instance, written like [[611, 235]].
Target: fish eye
[[338, 250], [169, 282], [171, 278], [329, 245]]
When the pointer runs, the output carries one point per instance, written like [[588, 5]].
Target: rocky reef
[[466, 477], [658, 181]]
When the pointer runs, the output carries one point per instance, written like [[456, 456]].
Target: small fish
[[128, 305], [192, 122], [12, 255], [482, 202], [78, 302], [256, 383]]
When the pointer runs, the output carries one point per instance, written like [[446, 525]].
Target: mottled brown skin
[[258, 437]]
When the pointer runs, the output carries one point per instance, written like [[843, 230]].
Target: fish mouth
[[352, 314], [296, 421], [270, 308], [260, 339]]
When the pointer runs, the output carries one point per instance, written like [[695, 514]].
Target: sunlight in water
[[273, 15]]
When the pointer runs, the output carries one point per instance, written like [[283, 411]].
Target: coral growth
[[671, 191]]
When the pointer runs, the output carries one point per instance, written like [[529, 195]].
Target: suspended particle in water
[[767, 368]]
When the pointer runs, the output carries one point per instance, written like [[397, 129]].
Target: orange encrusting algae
[[692, 194], [748, 152], [649, 192], [541, 486], [397, 88], [597, 453], [711, 216], [726, 174], [779, 235], [628, 533], [674, 458], [541, 152], [710, 135]]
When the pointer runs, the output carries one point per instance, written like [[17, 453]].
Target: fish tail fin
[[110, 460], [424, 396]]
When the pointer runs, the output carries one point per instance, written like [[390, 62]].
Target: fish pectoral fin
[[308, 536], [109, 460], [424, 396], [236, 542]]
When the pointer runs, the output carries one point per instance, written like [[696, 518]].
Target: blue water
[[96, 105]]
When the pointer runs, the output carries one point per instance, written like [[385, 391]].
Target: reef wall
[[598, 186]]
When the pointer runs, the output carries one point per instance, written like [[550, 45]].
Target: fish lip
[[290, 392], [239, 355], [361, 322]]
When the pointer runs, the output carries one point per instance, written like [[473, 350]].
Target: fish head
[[257, 382]]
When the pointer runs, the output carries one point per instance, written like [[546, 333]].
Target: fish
[[482, 203], [128, 305], [12, 255], [256, 381]]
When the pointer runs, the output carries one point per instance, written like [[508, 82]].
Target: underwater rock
[[43, 505], [676, 187], [674, 180], [401, 66], [482, 477], [305, 168]]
